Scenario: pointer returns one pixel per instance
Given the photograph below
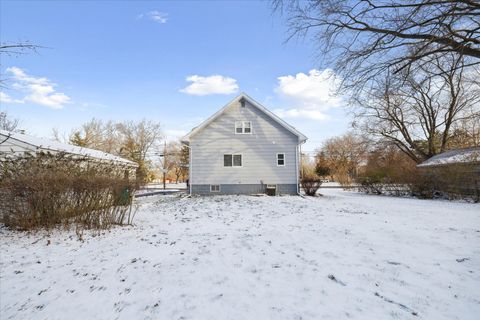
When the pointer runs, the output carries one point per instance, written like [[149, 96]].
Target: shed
[[455, 172], [13, 144]]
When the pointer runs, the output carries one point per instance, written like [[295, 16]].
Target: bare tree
[[15, 49], [342, 155], [418, 112], [179, 158], [7, 123], [138, 138], [132, 140], [365, 39], [99, 135], [466, 132]]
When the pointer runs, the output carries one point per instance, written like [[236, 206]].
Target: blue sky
[[171, 62]]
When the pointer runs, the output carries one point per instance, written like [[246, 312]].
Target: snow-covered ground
[[341, 256]]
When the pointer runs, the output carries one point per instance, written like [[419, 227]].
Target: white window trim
[[232, 154], [212, 185], [243, 127], [284, 160]]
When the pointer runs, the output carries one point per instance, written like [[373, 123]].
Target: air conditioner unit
[[271, 189]]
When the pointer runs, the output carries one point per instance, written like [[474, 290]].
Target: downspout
[[189, 167], [298, 152]]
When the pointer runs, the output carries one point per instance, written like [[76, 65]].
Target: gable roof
[[301, 136], [467, 155], [41, 144]]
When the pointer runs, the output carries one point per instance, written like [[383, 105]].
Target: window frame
[[243, 127], [214, 185], [233, 155], [284, 159]]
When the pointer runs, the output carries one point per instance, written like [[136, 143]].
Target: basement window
[[243, 127], [214, 188]]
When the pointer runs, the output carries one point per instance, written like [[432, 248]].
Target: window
[[232, 160], [227, 160], [243, 127], [237, 160], [238, 127], [247, 127], [280, 159], [214, 188]]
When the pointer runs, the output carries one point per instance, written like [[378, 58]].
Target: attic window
[[243, 127], [242, 102]]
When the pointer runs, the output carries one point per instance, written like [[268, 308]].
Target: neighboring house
[[455, 172], [14, 144], [243, 148]]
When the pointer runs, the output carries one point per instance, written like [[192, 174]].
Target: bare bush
[[390, 171], [311, 184], [52, 190]]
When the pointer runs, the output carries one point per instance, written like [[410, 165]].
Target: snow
[[37, 144], [467, 155], [343, 255]]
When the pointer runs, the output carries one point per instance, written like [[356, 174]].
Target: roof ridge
[[258, 105]]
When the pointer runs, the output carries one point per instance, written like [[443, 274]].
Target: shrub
[[383, 185], [392, 174], [311, 184], [322, 171], [50, 190], [387, 171]]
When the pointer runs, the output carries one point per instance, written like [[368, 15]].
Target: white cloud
[[157, 16], [308, 95], [5, 98], [38, 90], [215, 84]]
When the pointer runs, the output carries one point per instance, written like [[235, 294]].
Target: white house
[[15, 144], [243, 148]]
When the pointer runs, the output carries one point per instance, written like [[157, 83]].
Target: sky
[[175, 63]]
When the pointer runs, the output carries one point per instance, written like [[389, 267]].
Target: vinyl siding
[[258, 149]]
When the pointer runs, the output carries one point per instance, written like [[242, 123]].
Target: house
[[454, 172], [243, 149], [14, 144]]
